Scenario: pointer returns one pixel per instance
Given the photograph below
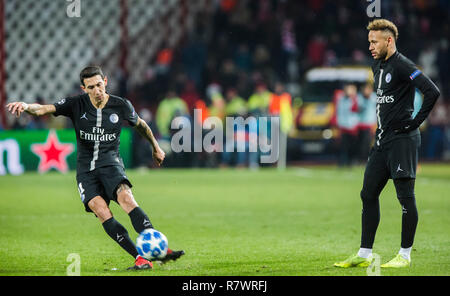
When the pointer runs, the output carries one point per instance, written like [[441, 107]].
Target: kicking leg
[[138, 217], [112, 227], [127, 202]]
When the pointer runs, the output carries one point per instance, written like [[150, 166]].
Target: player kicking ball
[[397, 140], [97, 118]]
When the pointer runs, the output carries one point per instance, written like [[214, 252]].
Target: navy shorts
[[397, 159], [103, 182]]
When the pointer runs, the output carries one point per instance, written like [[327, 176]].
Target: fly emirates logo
[[98, 134], [384, 99]]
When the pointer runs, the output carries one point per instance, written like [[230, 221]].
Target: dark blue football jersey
[[97, 130], [395, 81]]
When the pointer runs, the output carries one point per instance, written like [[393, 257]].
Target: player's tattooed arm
[[17, 108], [145, 131]]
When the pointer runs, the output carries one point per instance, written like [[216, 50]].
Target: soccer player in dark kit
[[97, 118], [397, 139]]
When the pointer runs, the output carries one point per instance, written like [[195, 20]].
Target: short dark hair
[[89, 72]]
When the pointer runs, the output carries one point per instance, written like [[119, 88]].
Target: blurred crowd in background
[[248, 58]]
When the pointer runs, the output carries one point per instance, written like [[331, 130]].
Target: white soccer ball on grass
[[152, 244]]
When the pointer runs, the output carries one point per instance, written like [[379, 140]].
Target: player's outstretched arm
[[17, 108], [145, 131]]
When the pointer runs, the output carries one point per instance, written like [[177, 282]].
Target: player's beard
[[382, 55]]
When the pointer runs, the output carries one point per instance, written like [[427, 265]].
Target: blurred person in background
[[280, 105], [258, 106], [347, 120], [201, 113], [437, 124], [258, 103], [235, 104], [190, 95], [142, 153], [169, 108], [228, 74], [217, 106], [235, 107], [367, 121], [417, 103]]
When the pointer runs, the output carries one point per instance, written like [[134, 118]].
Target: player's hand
[[16, 108], [158, 156], [404, 126]]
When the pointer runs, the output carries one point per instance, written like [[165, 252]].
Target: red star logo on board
[[52, 153]]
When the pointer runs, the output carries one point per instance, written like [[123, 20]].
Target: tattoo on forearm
[[145, 131]]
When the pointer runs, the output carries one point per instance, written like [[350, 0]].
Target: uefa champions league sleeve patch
[[415, 74]]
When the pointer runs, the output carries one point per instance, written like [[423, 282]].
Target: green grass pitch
[[230, 222]]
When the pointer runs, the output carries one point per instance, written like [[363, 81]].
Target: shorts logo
[[114, 118], [388, 77], [62, 101]]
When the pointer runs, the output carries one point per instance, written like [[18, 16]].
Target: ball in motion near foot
[[152, 244]]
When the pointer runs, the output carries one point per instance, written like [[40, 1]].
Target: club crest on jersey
[[114, 118], [388, 77]]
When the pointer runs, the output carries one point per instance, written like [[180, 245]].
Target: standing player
[[97, 118], [397, 139]]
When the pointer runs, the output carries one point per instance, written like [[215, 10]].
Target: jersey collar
[[390, 58], [93, 106]]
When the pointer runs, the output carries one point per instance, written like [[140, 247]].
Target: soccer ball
[[152, 244]]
